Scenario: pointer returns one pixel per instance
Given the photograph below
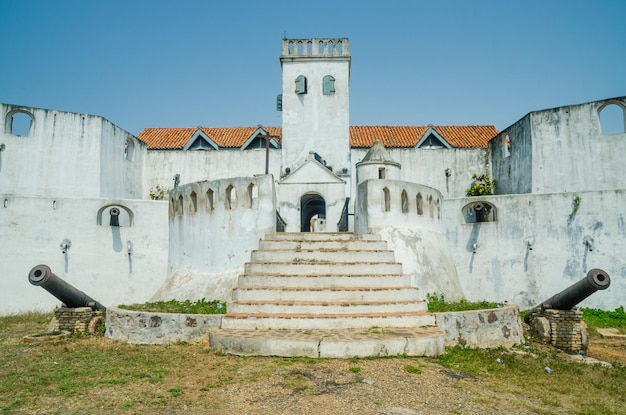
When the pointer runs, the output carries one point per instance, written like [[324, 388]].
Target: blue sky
[[188, 63]]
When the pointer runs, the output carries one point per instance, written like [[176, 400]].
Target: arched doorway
[[311, 204]]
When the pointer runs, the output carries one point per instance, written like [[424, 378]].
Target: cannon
[[595, 280], [42, 276]]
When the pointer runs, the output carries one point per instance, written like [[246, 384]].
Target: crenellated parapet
[[215, 224], [315, 47]]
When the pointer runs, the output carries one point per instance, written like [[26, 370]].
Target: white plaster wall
[[370, 213], [32, 228], [505, 269], [571, 154], [428, 167], [67, 155], [313, 121], [120, 175], [218, 240], [195, 166], [560, 150], [290, 194]]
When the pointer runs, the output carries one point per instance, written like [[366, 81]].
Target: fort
[[556, 212]]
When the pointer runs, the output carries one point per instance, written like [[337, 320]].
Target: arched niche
[[126, 217], [479, 211]]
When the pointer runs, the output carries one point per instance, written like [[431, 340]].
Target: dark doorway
[[311, 204]]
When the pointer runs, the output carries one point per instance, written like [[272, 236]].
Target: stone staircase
[[308, 288]]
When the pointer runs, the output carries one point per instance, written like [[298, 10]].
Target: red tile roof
[[460, 136], [224, 137]]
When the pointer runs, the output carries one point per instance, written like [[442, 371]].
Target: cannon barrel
[[595, 280], [42, 276]]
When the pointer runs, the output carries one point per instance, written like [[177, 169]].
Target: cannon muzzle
[[595, 280], [42, 276]]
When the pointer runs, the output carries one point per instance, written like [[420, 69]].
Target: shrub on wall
[[482, 185], [159, 192]]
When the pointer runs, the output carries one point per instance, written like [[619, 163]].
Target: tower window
[[301, 87], [329, 85]]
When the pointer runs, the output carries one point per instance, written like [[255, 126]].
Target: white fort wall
[[539, 245], [97, 262], [561, 150], [213, 228], [68, 155], [412, 226], [428, 167], [198, 165]]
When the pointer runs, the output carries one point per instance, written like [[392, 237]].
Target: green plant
[[482, 185], [355, 369], [176, 391], [412, 369], [201, 306], [158, 192], [438, 303], [575, 206]]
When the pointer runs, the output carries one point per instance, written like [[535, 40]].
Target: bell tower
[[315, 102]]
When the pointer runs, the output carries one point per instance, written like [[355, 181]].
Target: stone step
[[338, 245], [320, 236], [323, 308], [247, 321], [323, 280], [340, 344], [324, 268], [321, 255], [326, 294]]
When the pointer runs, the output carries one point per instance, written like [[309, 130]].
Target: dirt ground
[[611, 348]]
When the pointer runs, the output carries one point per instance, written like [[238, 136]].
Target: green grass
[[92, 372], [588, 389], [596, 318], [181, 307], [438, 304]]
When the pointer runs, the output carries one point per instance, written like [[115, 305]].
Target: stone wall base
[[563, 329]]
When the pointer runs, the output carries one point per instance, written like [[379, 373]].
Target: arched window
[[231, 197], [301, 87], [506, 146], [431, 208], [405, 202], [386, 200], [179, 206], [329, 85], [20, 123], [419, 202], [129, 149], [612, 119], [209, 197], [193, 206], [253, 195]]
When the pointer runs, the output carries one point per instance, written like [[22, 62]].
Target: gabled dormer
[[257, 140], [200, 141], [432, 139], [312, 170]]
